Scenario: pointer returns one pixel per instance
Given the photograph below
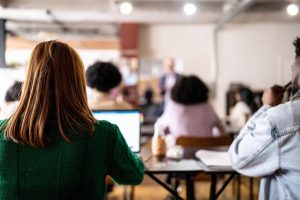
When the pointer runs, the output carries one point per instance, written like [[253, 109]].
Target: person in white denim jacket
[[269, 144]]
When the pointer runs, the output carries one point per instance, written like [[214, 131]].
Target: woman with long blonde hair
[[52, 147]]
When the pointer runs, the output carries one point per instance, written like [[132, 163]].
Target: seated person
[[243, 108], [12, 98], [104, 78], [52, 147], [268, 146], [188, 113]]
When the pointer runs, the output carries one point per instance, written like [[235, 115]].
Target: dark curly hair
[[103, 76], [297, 47], [247, 96], [14, 92], [189, 90]]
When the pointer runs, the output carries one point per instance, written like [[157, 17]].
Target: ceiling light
[[292, 9], [189, 9], [126, 8]]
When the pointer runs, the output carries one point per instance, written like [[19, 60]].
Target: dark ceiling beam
[[4, 3], [62, 26], [232, 12]]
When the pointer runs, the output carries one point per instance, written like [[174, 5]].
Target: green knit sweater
[[66, 170]]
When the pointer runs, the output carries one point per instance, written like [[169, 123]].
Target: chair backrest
[[203, 141]]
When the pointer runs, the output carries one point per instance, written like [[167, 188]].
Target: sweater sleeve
[[126, 167], [255, 151]]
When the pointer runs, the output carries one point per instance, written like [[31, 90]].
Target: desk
[[188, 167], [147, 129]]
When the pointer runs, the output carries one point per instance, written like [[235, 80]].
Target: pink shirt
[[199, 120]]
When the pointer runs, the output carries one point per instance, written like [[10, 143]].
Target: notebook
[[214, 158], [129, 123]]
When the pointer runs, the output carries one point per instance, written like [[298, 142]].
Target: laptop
[[129, 123]]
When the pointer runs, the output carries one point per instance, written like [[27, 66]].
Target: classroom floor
[[150, 190]]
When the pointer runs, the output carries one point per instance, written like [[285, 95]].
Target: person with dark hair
[[268, 145], [189, 90], [104, 78], [244, 107], [188, 113], [12, 98]]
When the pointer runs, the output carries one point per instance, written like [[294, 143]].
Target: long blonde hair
[[54, 85]]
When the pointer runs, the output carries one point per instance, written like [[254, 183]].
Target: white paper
[[214, 158]]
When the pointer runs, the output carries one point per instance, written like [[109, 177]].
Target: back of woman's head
[[247, 96], [54, 87], [189, 90], [14, 92], [103, 76]]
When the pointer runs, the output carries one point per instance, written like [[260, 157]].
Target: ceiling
[[94, 18]]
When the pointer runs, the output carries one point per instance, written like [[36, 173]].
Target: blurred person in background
[[148, 95], [168, 80], [150, 109], [245, 106], [268, 145], [104, 78], [188, 112], [11, 100], [52, 147]]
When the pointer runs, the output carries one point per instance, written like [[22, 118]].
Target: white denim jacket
[[269, 147]]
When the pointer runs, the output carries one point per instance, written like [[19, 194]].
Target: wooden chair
[[203, 142]]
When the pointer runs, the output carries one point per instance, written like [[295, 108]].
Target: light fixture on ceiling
[[189, 9], [292, 9], [126, 8]]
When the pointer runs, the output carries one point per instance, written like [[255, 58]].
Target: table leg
[[190, 190], [239, 187], [251, 196], [224, 185], [213, 186], [164, 185]]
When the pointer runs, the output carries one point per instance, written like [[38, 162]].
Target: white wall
[[255, 54], [191, 44]]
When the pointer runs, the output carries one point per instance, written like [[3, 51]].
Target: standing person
[[52, 147], [12, 98], [188, 113], [168, 80], [105, 78], [268, 145]]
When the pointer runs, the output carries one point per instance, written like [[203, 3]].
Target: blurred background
[[229, 44], [224, 42]]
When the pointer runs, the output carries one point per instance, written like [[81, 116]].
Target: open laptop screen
[[128, 122]]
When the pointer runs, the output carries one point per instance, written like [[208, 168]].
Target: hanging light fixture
[[126, 8], [189, 9], [292, 9]]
